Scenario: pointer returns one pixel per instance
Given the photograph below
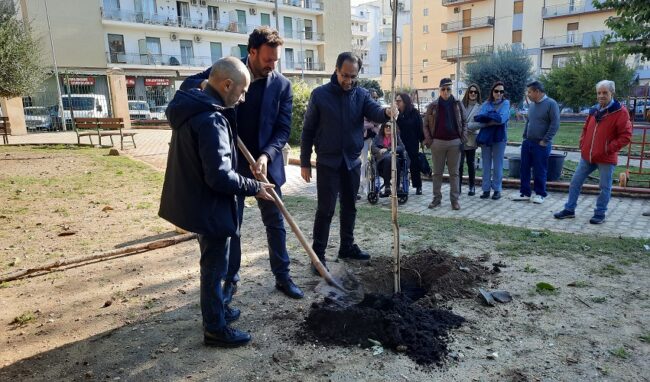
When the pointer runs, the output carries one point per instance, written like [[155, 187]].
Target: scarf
[[386, 142]]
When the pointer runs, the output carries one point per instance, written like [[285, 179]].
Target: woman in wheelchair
[[382, 155]]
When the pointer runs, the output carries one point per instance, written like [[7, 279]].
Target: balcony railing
[[449, 3], [451, 54], [303, 35], [176, 21], [561, 41], [479, 22], [309, 66], [158, 59], [568, 9], [307, 4], [360, 46]]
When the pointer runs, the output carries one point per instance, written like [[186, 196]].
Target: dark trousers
[[383, 168], [330, 184], [470, 155], [414, 167], [276, 237], [214, 263], [536, 156]]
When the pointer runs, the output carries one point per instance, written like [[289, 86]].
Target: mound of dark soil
[[394, 321]]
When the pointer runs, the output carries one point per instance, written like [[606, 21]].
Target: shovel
[[341, 289]]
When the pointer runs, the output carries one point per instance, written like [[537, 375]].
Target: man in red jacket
[[606, 131]]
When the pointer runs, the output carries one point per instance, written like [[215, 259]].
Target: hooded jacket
[[200, 180], [333, 124], [605, 134]]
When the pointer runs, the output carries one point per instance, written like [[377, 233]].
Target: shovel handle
[[292, 223]]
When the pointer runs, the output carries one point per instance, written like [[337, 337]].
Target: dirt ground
[[137, 318]]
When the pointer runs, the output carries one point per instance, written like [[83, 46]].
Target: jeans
[[276, 236], [330, 184], [492, 158], [470, 155], [214, 263], [536, 156], [446, 152], [364, 162], [605, 171]]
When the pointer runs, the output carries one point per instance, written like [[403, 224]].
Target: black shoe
[[229, 290], [597, 219], [385, 194], [496, 195], [226, 338], [358, 196], [472, 191], [418, 191], [289, 288], [314, 271], [353, 252], [564, 214], [485, 195], [231, 314]]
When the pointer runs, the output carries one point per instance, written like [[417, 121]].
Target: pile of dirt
[[394, 321], [411, 321]]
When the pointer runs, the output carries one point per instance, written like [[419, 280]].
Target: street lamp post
[[56, 68], [460, 54]]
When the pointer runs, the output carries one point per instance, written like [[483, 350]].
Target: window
[[215, 51], [309, 59], [425, 79], [518, 7], [183, 13], [187, 52], [146, 7], [288, 58], [383, 57], [572, 26], [381, 70], [452, 77], [516, 37], [288, 27], [309, 29], [560, 60], [108, 4], [241, 21], [425, 12], [425, 29], [571, 32], [116, 47], [213, 17], [153, 45], [243, 50], [425, 63], [266, 19]]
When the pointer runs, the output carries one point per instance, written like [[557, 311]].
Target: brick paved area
[[624, 217]]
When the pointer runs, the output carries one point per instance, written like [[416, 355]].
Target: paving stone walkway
[[624, 217]]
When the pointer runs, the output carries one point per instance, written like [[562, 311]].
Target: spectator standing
[[472, 103], [541, 126], [606, 131], [409, 123]]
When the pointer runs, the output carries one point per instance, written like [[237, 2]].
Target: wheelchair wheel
[[373, 198], [402, 199]]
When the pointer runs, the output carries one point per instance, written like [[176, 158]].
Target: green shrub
[[301, 93]]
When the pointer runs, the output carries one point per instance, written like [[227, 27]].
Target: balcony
[[307, 66], [479, 22], [561, 41], [453, 3], [568, 9], [307, 4], [303, 35], [358, 47], [158, 59], [454, 54], [358, 32]]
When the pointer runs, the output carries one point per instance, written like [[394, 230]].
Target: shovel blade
[[347, 291]]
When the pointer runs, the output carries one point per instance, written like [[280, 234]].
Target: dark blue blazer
[[275, 120]]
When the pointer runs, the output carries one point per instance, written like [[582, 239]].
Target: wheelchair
[[376, 183]]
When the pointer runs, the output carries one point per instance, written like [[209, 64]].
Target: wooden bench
[[4, 129], [102, 127]]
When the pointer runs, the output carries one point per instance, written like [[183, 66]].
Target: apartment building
[[158, 43], [360, 24]]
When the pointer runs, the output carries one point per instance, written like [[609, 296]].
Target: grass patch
[[567, 135], [580, 284], [645, 337], [23, 319], [611, 270], [546, 289], [599, 299], [529, 269], [620, 353], [617, 171]]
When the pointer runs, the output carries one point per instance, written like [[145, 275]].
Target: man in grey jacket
[[542, 124]]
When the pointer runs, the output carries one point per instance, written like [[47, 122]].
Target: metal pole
[[302, 52], [411, 47], [56, 69], [460, 34], [393, 159], [277, 27]]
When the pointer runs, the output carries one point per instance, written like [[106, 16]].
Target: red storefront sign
[[80, 80], [156, 82], [130, 82]]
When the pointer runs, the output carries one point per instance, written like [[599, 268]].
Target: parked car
[[566, 110], [158, 112], [84, 106], [139, 110], [641, 106], [42, 118]]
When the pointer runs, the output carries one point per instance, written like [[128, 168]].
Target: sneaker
[[434, 204], [226, 338], [564, 214], [353, 252], [520, 198], [496, 195], [597, 219], [537, 199], [485, 195]]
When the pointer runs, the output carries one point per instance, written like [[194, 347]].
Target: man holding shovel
[[263, 124], [201, 184], [334, 126]]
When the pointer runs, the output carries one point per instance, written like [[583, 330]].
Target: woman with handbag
[[493, 116], [472, 102], [409, 122]]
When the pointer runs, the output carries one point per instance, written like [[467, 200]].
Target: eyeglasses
[[445, 89], [473, 92], [495, 91], [398, 100]]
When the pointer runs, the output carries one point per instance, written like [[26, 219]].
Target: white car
[[39, 118], [158, 113], [84, 106], [139, 110]]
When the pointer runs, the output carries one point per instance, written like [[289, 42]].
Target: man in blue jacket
[[263, 124], [333, 125], [201, 184]]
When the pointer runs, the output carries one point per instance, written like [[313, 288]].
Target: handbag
[[425, 167]]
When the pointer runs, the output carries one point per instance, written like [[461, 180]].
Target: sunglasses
[[445, 89], [498, 91], [473, 92]]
